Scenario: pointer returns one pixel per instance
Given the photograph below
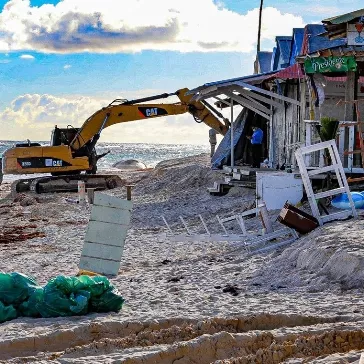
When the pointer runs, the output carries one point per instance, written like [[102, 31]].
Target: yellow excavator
[[72, 150]]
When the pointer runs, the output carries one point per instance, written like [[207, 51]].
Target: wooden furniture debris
[[106, 233], [297, 219], [337, 168], [257, 241]]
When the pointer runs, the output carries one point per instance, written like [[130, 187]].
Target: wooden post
[[265, 218], [349, 111], [271, 154], [232, 133], [350, 96], [128, 192], [90, 195]]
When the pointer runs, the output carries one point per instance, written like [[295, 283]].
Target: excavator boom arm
[[129, 111]]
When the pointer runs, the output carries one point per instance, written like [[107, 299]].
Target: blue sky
[[62, 60]]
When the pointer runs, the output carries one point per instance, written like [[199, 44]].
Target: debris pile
[[14, 234], [26, 200]]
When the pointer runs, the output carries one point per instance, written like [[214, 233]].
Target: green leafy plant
[[328, 128], [327, 131]]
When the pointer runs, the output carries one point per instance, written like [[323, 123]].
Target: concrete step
[[237, 176], [219, 189]]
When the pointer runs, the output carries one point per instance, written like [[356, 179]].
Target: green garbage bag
[[95, 285], [58, 301], [7, 312], [110, 300], [29, 308], [101, 293], [61, 296], [15, 288]]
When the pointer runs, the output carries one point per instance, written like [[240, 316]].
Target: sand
[[299, 304]]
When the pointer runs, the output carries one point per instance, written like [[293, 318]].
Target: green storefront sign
[[330, 64]]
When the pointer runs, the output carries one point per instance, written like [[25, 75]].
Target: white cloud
[[315, 11], [131, 26], [67, 66], [33, 116], [26, 56]]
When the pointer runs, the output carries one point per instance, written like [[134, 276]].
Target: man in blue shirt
[[256, 141]]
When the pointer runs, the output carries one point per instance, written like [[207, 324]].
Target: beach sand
[[299, 304]]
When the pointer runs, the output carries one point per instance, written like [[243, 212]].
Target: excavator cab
[[63, 136]]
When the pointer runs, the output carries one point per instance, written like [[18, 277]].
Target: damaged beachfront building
[[316, 73]]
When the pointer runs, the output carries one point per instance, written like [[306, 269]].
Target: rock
[[129, 164]]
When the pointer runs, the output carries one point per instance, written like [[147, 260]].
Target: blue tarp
[[282, 52], [296, 45], [223, 151], [265, 60], [318, 42]]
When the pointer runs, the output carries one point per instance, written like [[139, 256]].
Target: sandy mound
[[190, 303], [331, 255]]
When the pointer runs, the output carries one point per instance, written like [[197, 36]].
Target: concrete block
[[101, 199], [111, 215], [99, 265], [101, 251], [106, 233]]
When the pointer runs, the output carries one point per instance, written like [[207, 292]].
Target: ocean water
[[150, 154]]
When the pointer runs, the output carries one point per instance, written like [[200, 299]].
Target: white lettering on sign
[[338, 63], [151, 112], [57, 163], [26, 164]]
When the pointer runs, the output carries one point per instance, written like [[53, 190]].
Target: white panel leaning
[[106, 233]]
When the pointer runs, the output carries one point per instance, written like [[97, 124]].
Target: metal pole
[[232, 133], [260, 25]]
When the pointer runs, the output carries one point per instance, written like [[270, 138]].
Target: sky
[[61, 60]]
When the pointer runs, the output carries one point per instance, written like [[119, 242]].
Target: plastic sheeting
[[223, 151], [61, 296]]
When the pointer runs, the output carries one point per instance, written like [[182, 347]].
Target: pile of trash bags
[[20, 295]]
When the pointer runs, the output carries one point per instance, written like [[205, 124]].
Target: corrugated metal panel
[[251, 79], [291, 72], [344, 18]]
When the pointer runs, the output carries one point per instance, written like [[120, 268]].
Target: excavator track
[[65, 183]]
